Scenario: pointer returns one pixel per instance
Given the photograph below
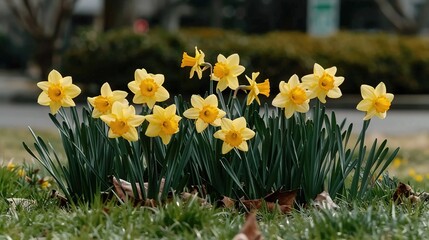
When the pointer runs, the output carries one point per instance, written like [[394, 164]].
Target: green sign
[[323, 17]]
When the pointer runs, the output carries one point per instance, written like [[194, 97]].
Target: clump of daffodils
[[227, 145]]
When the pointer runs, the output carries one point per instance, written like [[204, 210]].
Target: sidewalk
[[17, 87]]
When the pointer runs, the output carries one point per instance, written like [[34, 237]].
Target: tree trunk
[[118, 13], [44, 55]]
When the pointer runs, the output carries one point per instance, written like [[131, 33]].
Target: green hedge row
[[401, 62]]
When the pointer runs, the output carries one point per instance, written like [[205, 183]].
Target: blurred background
[[97, 41]]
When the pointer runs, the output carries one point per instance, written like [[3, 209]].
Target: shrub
[[398, 61]]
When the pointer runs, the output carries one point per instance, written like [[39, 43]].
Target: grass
[[11, 143], [375, 218]]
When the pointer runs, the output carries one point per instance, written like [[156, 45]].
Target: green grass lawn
[[376, 217]]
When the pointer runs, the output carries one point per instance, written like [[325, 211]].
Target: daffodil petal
[[44, 85], [165, 138], [243, 146], [364, 105], [131, 135], [334, 93], [380, 89], [239, 123], [226, 148], [318, 70], [162, 94], [367, 91], [105, 90], [197, 101], [66, 81], [54, 76], [211, 100], [331, 71], [152, 130], [43, 99], [134, 87], [279, 101], [247, 134], [220, 134], [200, 125], [136, 120], [192, 113], [222, 84]]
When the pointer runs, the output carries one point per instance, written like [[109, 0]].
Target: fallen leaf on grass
[[124, 189], [226, 202], [62, 201], [323, 200], [194, 196], [278, 200], [405, 192], [23, 203], [402, 192], [250, 229]]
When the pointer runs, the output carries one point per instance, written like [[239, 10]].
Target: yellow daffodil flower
[[256, 88], [57, 92], [44, 183], [205, 111], [292, 97], [226, 71], [234, 134], [322, 83], [10, 166], [194, 62], [148, 88], [375, 102], [21, 172], [163, 123], [103, 103], [123, 121]]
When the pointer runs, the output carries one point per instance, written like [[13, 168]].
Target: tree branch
[[398, 21]]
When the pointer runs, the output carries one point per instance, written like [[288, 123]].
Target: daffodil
[[57, 92], [205, 111], [44, 183], [148, 88], [256, 88], [103, 103], [21, 172], [322, 83], [194, 62], [10, 166], [375, 102], [123, 121], [292, 97], [163, 123], [226, 71], [234, 134]]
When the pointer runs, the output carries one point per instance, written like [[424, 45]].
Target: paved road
[[397, 122]]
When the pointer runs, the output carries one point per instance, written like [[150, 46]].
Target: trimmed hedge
[[401, 62]]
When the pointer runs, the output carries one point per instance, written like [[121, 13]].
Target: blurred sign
[[323, 17]]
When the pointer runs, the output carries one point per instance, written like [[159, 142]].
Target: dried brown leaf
[[226, 202], [323, 200], [282, 197], [62, 201], [402, 192], [124, 189], [188, 196], [250, 229]]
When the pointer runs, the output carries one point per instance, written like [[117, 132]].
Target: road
[[397, 122]]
